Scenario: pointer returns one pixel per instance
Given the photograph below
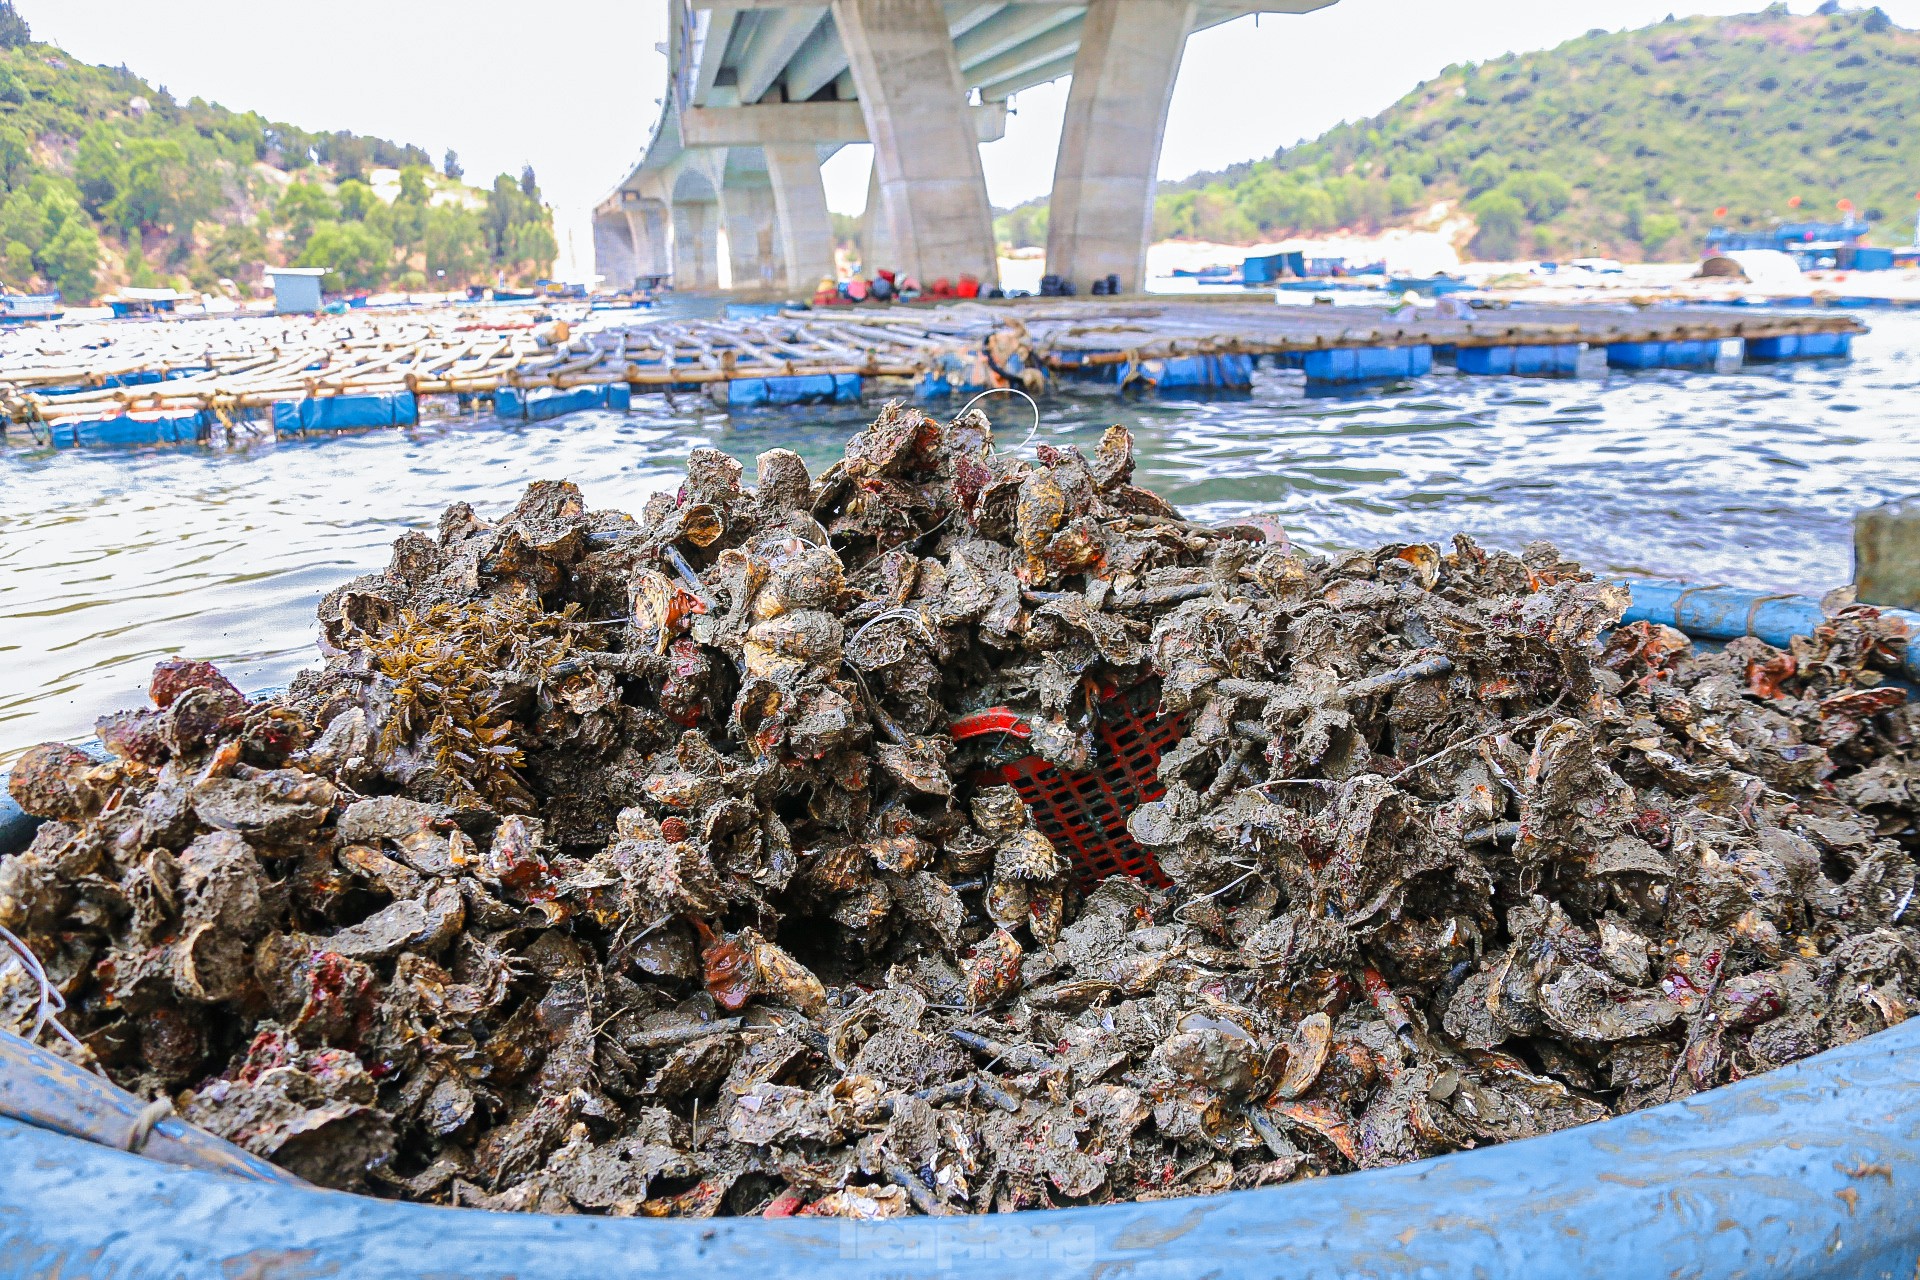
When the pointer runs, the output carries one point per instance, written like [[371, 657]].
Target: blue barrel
[[1809, 1172]]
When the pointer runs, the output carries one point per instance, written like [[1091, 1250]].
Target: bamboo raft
[[232, 374]]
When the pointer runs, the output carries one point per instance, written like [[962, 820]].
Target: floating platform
[[368, 371]]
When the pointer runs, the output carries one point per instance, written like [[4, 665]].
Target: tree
[[1406, 192], [142, 181], [25, 217], [413, 184], [347, 154], [139, 271], [1656, 229], [529, 185], [400, 224], [14, 31], [1022, 226], [16, 263], [454, 243], [99, 167], [533, 244], [356, 257], [302, 207], [355, 199], [234, 251], [1501, 218], [451, 165], [71, 258], [1546, 195]]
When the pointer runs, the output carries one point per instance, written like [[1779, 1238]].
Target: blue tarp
[[820, 388], [147, 428], [336, 413], [546, 402], [1367, 364], [1524, 361]]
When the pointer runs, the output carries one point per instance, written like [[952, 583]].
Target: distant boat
[[620, 302], [144, 302], [1438, 286], [19, 308], [1213, 274]]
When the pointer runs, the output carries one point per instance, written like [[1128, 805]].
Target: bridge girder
[[777, 73]]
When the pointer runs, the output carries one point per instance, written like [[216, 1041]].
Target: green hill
[[1619, 143], [106, 180]]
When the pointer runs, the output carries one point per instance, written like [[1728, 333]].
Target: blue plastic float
[[179, 427], [1663, 355], [550, 402], [818, 388], [1801, 346], [1367, 364], [337, 413], [1191, 373], [1520, 361]]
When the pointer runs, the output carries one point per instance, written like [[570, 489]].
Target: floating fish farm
[[184, 383]]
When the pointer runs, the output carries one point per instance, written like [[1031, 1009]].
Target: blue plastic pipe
[[1809, 1172], [1727, 613]]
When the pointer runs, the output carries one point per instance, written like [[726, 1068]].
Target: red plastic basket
[[1085, 814]]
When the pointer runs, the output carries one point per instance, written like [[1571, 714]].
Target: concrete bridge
[[760, 92]]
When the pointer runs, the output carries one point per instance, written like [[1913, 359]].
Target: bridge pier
[[925, 144], [613, 250], [877, 247], [800, 210], [1100, 219], [696, 237], [747, 205], [647, 230]]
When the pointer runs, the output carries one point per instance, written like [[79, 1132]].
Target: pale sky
[[570, 85]]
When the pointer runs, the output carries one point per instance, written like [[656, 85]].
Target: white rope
[[1008, 391], [901, 614], [51, 1001]]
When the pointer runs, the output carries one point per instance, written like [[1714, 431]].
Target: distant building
[[296, 290], [1814, 245]]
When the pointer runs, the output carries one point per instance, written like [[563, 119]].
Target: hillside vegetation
[[1621, 143], [106, 180]]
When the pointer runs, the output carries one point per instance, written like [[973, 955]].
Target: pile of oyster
[[631, 864]]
